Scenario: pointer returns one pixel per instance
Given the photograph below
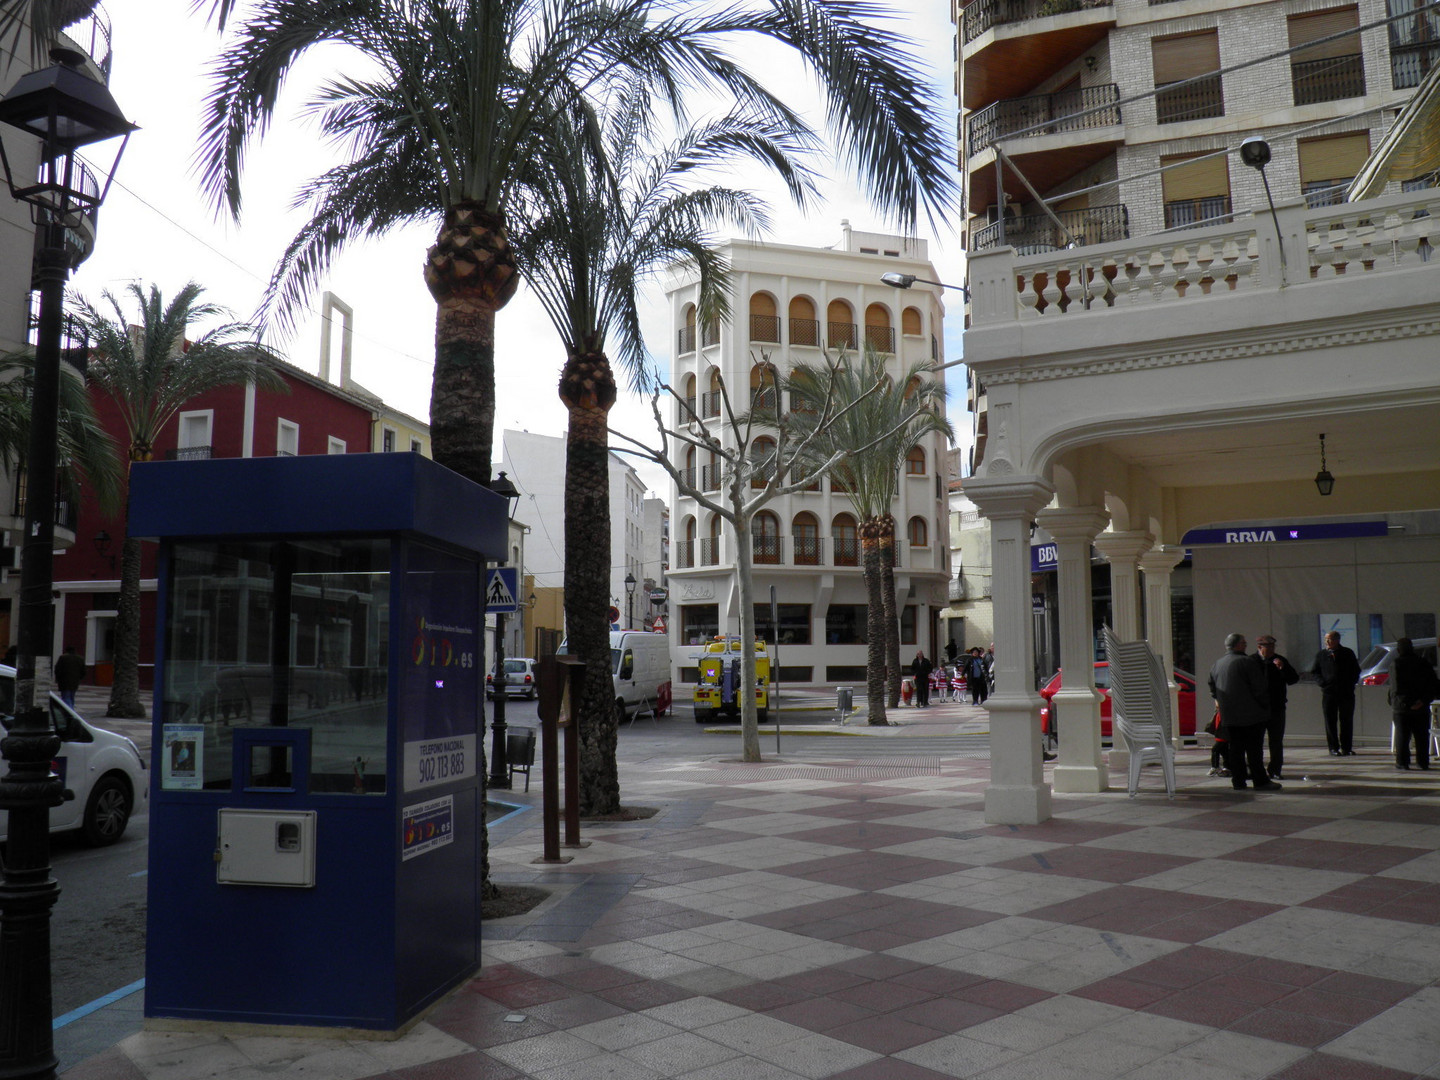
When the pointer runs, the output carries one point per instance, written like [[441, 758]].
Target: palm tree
[[890, 420], [447, 118], [595, 230], [150, 373]]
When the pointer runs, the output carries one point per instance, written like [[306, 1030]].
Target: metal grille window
[[1328, 165], [1197, 192], [1330, 71], [1181, 58]]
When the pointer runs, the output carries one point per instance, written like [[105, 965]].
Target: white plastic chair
[[1147, 744]]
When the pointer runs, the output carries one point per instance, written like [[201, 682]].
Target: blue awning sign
[[1276, 534]]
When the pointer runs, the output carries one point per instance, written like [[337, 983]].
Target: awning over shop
[[1412, 146]]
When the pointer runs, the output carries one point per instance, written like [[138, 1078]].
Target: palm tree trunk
[[870, 530], [587, 387], [125, 690], [892, 616]]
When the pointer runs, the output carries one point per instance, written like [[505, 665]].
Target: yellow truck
[[719, 690]]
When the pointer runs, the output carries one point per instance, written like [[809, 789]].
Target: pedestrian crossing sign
[[501, 587]]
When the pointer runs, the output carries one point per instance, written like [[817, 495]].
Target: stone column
[[1122, 550], [1018, 794], [1158, 563], [1077, 703]]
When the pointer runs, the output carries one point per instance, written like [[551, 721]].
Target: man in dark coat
[[921, 668], [977, 676], [1280, 674], [1239, 684], [1338, 671], [69, 673], [1413, 688]]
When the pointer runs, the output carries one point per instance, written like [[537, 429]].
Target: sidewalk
[[854, 917]]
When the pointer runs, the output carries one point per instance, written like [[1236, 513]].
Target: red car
[[1183, 679]]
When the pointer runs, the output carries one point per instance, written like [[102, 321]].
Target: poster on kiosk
[[316, 808]]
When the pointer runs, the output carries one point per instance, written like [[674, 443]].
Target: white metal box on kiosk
[[265, 847]]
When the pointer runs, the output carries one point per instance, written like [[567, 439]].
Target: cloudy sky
[[157, 227]]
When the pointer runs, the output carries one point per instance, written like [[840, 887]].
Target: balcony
[[710, 404], [805, 332], [1010, 45], [1199, 99], [1055, 111], [1331, 79], [765, 328], [710, 334], [1411, 62], [189, 453], [880, 338], [710, 477], [766, 550], [847, 550], [842, 335], [709, 551], [67, 513], [1193, 213], [808, 550], [1031, 234], [91, 35], [685, 340], [685, 554]]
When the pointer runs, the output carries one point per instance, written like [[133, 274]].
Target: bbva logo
[[1248, 536]]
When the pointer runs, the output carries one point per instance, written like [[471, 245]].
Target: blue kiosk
[[316, 791]]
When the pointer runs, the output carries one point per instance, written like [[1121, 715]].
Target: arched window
[[915, 461], [846, 540], [690, 477], [710, 546], [840, 326], [764, 318], [710, 405], [805, 532], [687, 411], [879, 334], [762, 455], [919, 532], [804, 326], [911, 323], [764, 380], [686, 554], [686, 342], [765, 533]]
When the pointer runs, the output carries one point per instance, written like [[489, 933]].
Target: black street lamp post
[[67, 110], [629, 601], [499, 755]]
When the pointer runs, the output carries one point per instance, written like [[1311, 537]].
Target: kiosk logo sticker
[[427, 826]]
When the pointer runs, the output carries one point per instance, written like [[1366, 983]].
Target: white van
[[640, 670]]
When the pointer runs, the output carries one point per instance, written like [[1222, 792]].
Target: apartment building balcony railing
[[842, 335], [710, 477], [981, 15], [1192, 213], [709, 551], [765, 328], [710, 334], [67, 513], [1340, 245], [808, 550], [685, 340], [847, 551], [710, 404], [1331, 79], [763, 400], [92, 35], [880, 338], [766, 550], [1411, 62], [805, 332], [685, 555], [1031, 234], [1325, 192], [1197, 100], [688, 412], [1056, 111], [189, 453]]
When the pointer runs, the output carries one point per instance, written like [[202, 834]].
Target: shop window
[[794, 623], [699, 623], [845, 624]]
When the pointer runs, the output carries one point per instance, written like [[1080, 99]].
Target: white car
[[519, 678], [104, 775], [1375, 666]]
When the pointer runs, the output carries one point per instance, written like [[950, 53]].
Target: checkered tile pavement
[[843, 920]]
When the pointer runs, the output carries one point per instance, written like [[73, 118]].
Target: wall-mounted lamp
[[102, 547], [1091, 63], [1323, 480]]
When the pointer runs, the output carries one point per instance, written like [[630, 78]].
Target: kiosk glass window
[[292, 635]]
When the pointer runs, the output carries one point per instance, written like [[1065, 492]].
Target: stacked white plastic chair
[[1140, 707]]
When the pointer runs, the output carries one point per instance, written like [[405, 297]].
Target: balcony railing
[[1328, 80], [92, 34], [763, 400], [809, 550], [710, 404], [805, 332], [67, 513], [1198, 100], [688, 412], [1055, 111], [189, 453], [765, 328], [710, 334], [880, 338], [1325, 192], [709, 551], [685, 340], [710, 477], [1411, 62], [1191, 213], [685, 554], [1030, 234], [983, 14], [842, 335], [766, 550], [847, 550]]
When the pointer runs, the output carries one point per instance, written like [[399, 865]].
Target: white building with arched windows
[[792, 305]]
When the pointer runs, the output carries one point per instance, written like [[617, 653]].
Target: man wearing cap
[[1239, 685]]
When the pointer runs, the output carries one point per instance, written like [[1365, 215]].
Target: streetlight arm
[[904, 281]]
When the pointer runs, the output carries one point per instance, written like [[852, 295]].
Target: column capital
[[1123, 546], [1161, 559], [1009, 496], [1073, 522]]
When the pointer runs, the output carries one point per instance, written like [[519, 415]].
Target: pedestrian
[[976, 677], [1239, 685], [1280, 674], [1338, 671], [1413, 687], [69, 673], [950, 652], [921, 667]]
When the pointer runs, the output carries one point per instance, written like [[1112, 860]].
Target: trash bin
[[844, 700]]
